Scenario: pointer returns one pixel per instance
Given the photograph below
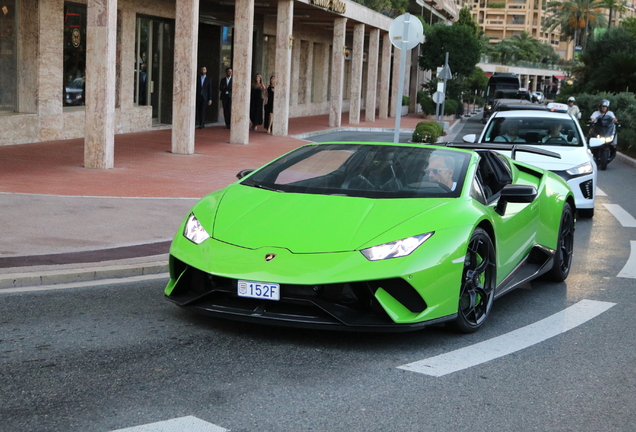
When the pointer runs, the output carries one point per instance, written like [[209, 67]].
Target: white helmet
[[571, 99]]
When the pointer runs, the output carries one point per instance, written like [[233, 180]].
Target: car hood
[[253, 218], [570, 157]]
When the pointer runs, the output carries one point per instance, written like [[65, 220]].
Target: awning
[[559, 77]]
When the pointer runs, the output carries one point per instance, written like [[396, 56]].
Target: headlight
[[398, 248], [194, 231], [607, 139], [585, 168]]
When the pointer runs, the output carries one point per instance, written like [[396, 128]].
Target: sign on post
[[405, 33]]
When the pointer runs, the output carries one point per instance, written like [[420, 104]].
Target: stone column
[[127, 60], [385, 76], [101, 44], [356, 73], [50, 69], [242, 71], [186, 36], [309, 72], [284, 45], [372, 75], [337, 72], [294, 83], [395, 82]]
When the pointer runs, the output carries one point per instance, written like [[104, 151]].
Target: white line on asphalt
[[189, 423], [509, 343], [629, 271], [85, 284], [599, 192], [621, 215]]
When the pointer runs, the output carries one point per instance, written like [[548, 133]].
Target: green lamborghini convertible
[[373, 236]]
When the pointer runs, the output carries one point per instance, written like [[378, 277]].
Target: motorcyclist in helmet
[[603, 112], [573, 109]]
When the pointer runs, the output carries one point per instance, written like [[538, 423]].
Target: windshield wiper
[[260, 186]]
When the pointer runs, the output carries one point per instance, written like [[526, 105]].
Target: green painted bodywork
[[315, 244]]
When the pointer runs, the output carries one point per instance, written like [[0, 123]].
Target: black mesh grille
[[587, 188]]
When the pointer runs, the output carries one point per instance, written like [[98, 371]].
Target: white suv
[[554, 131]]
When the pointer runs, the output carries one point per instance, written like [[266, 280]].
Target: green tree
[[608, 63], [523, 47], [391, 8], [458, 40], [466, 19], [629, 24], [574, 18]]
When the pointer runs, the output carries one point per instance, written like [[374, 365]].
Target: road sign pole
[[398, 104]]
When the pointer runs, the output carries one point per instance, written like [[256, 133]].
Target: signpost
[[406, 32]]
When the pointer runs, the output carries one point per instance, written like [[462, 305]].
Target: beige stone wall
[[41, 115]]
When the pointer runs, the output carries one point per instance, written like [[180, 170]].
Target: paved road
[[112, 357]]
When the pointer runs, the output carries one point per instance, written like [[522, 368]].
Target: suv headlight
[[193, 230], [398, 248], [584, 168]]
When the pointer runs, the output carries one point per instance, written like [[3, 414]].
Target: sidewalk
[[64, 223]]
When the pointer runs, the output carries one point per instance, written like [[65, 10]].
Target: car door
[[516, 227]]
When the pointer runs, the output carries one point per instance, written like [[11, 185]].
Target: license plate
[[259, 290]]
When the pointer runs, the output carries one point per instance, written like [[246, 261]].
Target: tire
[[565, 245], [477, 290], [586, 213], [603, 159]]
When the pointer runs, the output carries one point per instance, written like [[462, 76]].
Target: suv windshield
[[366, 170], [533, 130]]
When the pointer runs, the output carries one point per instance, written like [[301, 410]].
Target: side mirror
[[515, 194], [244, 173], [595, 142], [470, 138]]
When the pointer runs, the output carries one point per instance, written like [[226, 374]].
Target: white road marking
[[509, 343], [189, 423], [621, 215], [629, 271], [85, 284], [599, 192]]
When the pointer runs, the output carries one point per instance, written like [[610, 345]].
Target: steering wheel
[[442, 186]]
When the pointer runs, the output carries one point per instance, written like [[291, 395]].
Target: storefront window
[[8, 56], [74, 54]]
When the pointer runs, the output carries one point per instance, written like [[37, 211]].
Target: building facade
[[96, 68]]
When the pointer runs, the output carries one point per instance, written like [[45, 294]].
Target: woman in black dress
[[259, 93], [269, 105]]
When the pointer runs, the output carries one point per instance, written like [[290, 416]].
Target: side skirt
[[538, 262]]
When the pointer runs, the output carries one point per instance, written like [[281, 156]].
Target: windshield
[[533, 130], [366, 170]]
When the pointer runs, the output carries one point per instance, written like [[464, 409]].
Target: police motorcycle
[[603, 139]]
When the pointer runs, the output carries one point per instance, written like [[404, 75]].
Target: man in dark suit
[[204, 96], [225, 86]]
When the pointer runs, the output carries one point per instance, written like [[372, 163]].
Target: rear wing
[[512, 148]]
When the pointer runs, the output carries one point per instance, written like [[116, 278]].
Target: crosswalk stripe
[[189, 423], [509, 343], [621, 215]]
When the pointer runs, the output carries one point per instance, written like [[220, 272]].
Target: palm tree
[[613, 5], [574, 18]]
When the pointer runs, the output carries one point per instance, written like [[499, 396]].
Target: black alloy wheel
[[565, 246], [478, 283]]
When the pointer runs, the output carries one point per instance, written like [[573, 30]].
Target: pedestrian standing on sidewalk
[[204, 96], [258, 95], [225, 87], [269, 105]]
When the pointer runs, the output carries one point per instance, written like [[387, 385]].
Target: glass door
[[154, 59]]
